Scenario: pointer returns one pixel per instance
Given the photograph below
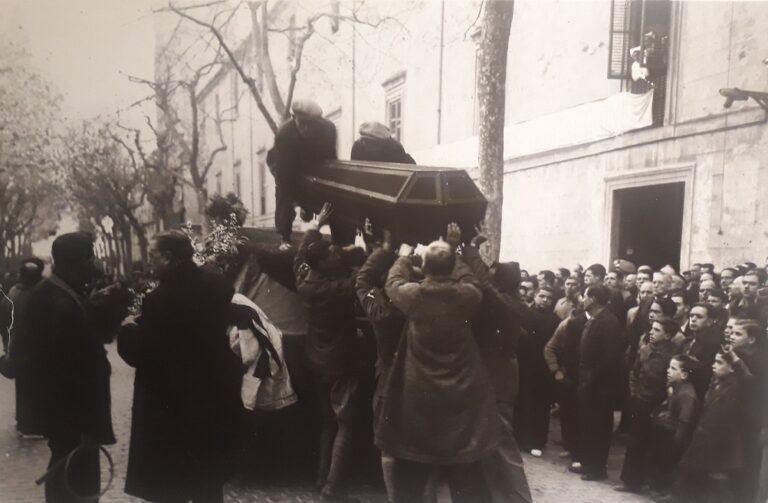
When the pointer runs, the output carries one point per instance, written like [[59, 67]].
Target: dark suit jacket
[[600, 357]]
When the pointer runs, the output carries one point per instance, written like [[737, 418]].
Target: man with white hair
[[300, 144], [438, 411]]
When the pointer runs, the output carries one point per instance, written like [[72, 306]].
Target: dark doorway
[[648, 224]]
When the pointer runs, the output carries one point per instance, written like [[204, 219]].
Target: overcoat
[[438, 408], [187, 385], [69, 363]]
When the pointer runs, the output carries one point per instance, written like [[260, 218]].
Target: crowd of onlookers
[[472, 361], [685, 363]]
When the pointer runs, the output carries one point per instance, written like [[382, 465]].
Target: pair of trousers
[[465, 481], [338, 401], [82, 478], [596, 427], [285, 212], [503, 469], [531, 421], [638, 462], [569, 418]]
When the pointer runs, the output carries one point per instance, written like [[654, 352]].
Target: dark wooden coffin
[[415, 203]]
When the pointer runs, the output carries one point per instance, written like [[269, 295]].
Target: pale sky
[[82, 46]]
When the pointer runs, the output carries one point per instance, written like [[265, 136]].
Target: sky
[[85, 48]]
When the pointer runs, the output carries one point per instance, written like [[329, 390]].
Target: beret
[[375, 130], [307, 108]]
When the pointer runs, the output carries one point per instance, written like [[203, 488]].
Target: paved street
[[24, 460]]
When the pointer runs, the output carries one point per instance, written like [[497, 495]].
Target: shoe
[[594, 477], [624, 488], [576, 468], [564, 454], [536, 453]]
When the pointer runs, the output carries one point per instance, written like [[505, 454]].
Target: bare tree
[[180, 137], [491, 92], [261, 28]]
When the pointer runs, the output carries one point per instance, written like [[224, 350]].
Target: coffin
[[415, 203]]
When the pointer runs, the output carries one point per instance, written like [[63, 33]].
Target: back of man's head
[[31, 270], [599, 293], [439, 260], [597, 270], [507, 276], [176, 244], [72, 248]]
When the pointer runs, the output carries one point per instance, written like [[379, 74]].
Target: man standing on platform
[[301, 143]]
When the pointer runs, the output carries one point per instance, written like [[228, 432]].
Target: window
[[644, 24], [218, 183], [393, 88], [236, 179]]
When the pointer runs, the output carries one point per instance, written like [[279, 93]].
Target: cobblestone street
[[24, 460]]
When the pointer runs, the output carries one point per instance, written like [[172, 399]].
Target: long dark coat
[[28, 385], [186, 390], [438, 408], [68, 361]]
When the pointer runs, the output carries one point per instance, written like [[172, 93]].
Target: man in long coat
[[13, 322], [599, 368], [187, 385], [68, 360], [438, 410]]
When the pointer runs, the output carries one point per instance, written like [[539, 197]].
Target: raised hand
[[453, 235], [480, 236], [324, 215]]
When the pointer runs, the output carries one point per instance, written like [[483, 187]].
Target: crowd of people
[[472, 361]]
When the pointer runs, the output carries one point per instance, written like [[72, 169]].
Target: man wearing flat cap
[[67, 355], [376, 144], [301, 143]]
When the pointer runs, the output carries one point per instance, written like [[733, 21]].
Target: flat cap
[[307, 108], [375, 130]]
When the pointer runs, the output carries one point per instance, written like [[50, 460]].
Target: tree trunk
[[491, 90], [202, 202]]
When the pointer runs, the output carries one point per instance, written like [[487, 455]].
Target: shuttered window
[[619, 41]]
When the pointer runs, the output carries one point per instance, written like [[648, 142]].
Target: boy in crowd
[[673, 421], [714, 462], [647, 385]]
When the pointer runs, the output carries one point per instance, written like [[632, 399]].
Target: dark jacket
[[187, 385], [437, 409], [380, 150], [704, 346], [678, 414], [718, 444], [386, 320], [329, 298], [293, 154], [497, 327], [69, 362], [648, 379], [600, 357], [562, 351]]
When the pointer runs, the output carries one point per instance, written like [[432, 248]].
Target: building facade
[[595, 168]]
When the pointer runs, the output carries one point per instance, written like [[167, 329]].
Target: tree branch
[[238, 67]]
